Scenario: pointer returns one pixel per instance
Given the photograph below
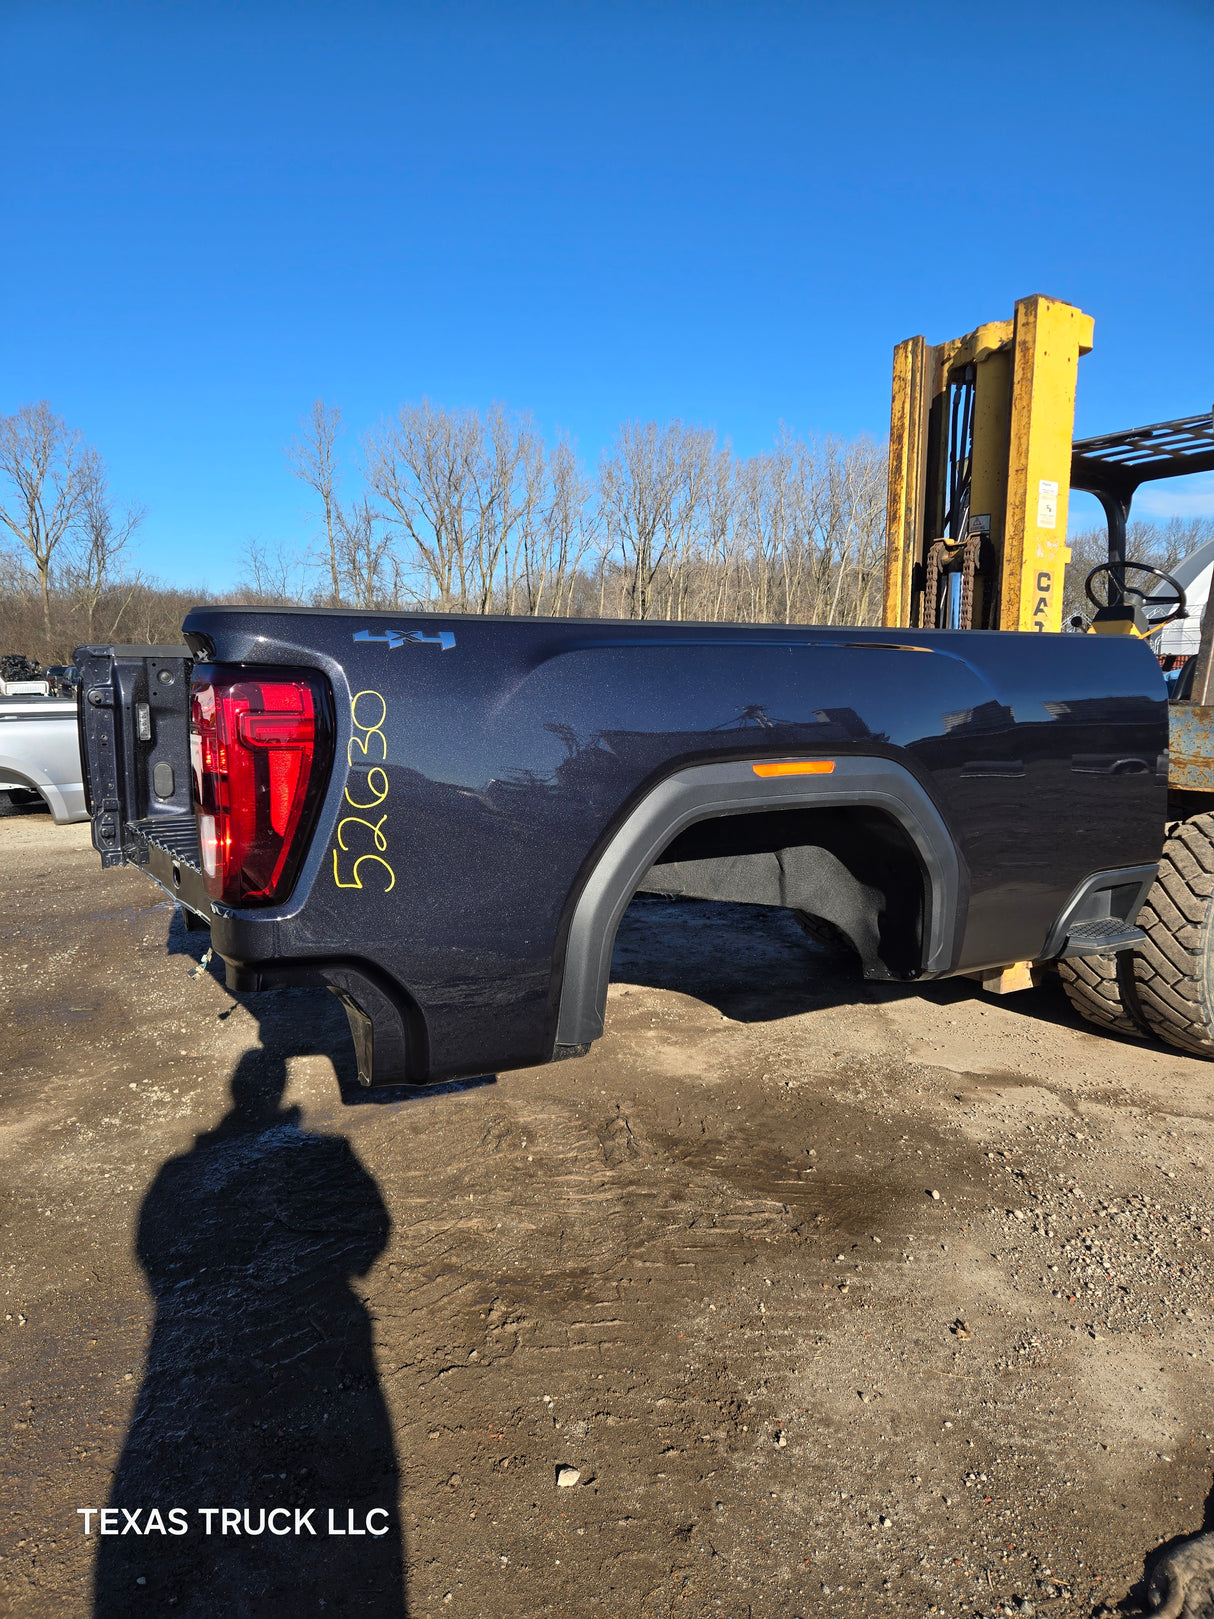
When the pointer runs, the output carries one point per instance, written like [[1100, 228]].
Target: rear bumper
[[1099, 918], [168, 850], [389, 1040]]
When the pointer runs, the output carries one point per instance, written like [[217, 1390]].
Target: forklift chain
[[929, 607], [969, 569], [937, 552]]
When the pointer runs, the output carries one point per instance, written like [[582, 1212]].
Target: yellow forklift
[[982, 461]]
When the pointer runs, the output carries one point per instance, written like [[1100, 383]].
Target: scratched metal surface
[[1191, 746]]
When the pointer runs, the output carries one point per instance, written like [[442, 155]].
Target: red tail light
[[261, 746]]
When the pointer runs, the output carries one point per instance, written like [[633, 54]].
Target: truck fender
[[65, 802], [705, 791]]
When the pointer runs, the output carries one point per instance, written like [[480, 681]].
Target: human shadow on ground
[[1177, 1577], [260, 1387]]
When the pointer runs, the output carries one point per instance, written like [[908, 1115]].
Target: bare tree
[[463, 492], [847, 528], [762, 533], [507, 474], [558, 532], [481, 517], [314, 461], [363, 549], [632, 492], [420, 465], [651, 483], [102, 535], [272, 576], [46, 472], [1178, 538]]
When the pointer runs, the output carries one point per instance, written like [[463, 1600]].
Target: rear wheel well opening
[[852, 868], [19, 795], [869, 833]]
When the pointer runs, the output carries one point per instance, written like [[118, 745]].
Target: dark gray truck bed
[[488, 793]]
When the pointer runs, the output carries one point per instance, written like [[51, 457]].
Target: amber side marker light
[[796, 767]]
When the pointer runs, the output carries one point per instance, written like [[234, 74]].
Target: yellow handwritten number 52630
[[372, 781]]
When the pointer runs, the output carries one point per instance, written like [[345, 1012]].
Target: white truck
[[40, 753]]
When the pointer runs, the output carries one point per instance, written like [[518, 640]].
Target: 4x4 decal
[[395, 638]]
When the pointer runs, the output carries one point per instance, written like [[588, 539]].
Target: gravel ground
[[795, 1296]]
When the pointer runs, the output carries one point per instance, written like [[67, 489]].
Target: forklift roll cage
[[1112, 466]]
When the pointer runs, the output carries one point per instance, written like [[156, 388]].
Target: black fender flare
[[703, 791]]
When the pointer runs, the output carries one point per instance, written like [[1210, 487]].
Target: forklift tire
[[1174, 965], [1102, 990]]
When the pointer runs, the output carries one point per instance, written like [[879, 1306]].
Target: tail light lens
[[261, 744]]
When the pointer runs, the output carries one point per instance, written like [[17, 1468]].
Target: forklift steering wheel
[[1178, 601]]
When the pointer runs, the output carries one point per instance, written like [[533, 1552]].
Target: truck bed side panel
[[511, 749]]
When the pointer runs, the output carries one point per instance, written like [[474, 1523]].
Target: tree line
[[473, 511]]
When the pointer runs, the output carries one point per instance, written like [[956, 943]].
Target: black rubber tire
[[1174, 966], [1102, 990]]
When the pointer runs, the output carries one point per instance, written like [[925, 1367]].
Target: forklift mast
[[981, 465], [980, 468]]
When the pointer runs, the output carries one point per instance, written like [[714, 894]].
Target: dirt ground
[[827, 1298]]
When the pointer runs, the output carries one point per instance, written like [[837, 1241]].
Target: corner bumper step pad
[[1100, 936]]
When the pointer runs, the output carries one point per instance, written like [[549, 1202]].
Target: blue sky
[[727, 212]]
